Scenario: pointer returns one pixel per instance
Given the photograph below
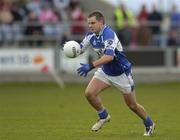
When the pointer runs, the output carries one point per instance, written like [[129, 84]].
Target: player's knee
[[89, 94]]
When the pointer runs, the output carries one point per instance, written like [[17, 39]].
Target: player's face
[[94, 25]]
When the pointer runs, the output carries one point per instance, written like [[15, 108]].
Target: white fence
[[40, 65]]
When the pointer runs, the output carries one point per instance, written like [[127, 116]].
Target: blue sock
[[148, 122], [103, 114]]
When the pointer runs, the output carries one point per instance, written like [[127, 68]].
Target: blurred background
[[32, 33]]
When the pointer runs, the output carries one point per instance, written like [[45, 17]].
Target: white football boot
[[149, 130], [98, 125]]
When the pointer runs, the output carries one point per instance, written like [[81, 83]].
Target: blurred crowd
[[148, 28], [34, 22]]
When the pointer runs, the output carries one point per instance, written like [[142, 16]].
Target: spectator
[[6, 20], [15, 10], [155, 20], [143, 14], [73, 4], [143, 33], [47, 15], [34, 5], [17, 19], [48, 18], [174, 33], [78, 19], [173, 40], [33, 30], [24, 11], [124, 21], [62, 6], [6, 16], [175, 18]]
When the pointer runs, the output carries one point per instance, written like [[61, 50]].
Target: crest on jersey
[[109, 42]]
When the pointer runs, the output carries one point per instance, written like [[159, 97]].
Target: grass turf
[[42, 111]]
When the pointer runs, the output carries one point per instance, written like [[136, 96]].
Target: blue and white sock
[[102, 113], [148, 122]]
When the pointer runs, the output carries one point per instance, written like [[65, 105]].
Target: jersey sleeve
[[109, 43], [85, 43]]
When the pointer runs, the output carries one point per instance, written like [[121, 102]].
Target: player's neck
[[99, 32]]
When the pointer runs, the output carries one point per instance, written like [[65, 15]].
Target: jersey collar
[[100, 33]]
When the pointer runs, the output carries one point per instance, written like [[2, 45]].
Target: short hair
[[99, 16]]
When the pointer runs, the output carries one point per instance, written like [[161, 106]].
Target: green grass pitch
[[43, 111]]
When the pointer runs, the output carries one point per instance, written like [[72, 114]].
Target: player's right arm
[[85, 43]]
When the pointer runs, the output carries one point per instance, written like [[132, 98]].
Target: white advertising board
[[26, 60]]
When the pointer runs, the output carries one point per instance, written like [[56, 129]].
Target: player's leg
[[131, 102], [125, 83], [92, 91], [95, 86]]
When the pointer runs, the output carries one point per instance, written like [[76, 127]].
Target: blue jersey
[[108, 43]]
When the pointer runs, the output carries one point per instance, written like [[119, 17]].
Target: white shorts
[[123, 82]]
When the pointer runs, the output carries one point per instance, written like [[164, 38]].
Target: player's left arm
[[107, 57], [108, 53]]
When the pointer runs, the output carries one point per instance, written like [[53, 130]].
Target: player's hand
[[84, 69]]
